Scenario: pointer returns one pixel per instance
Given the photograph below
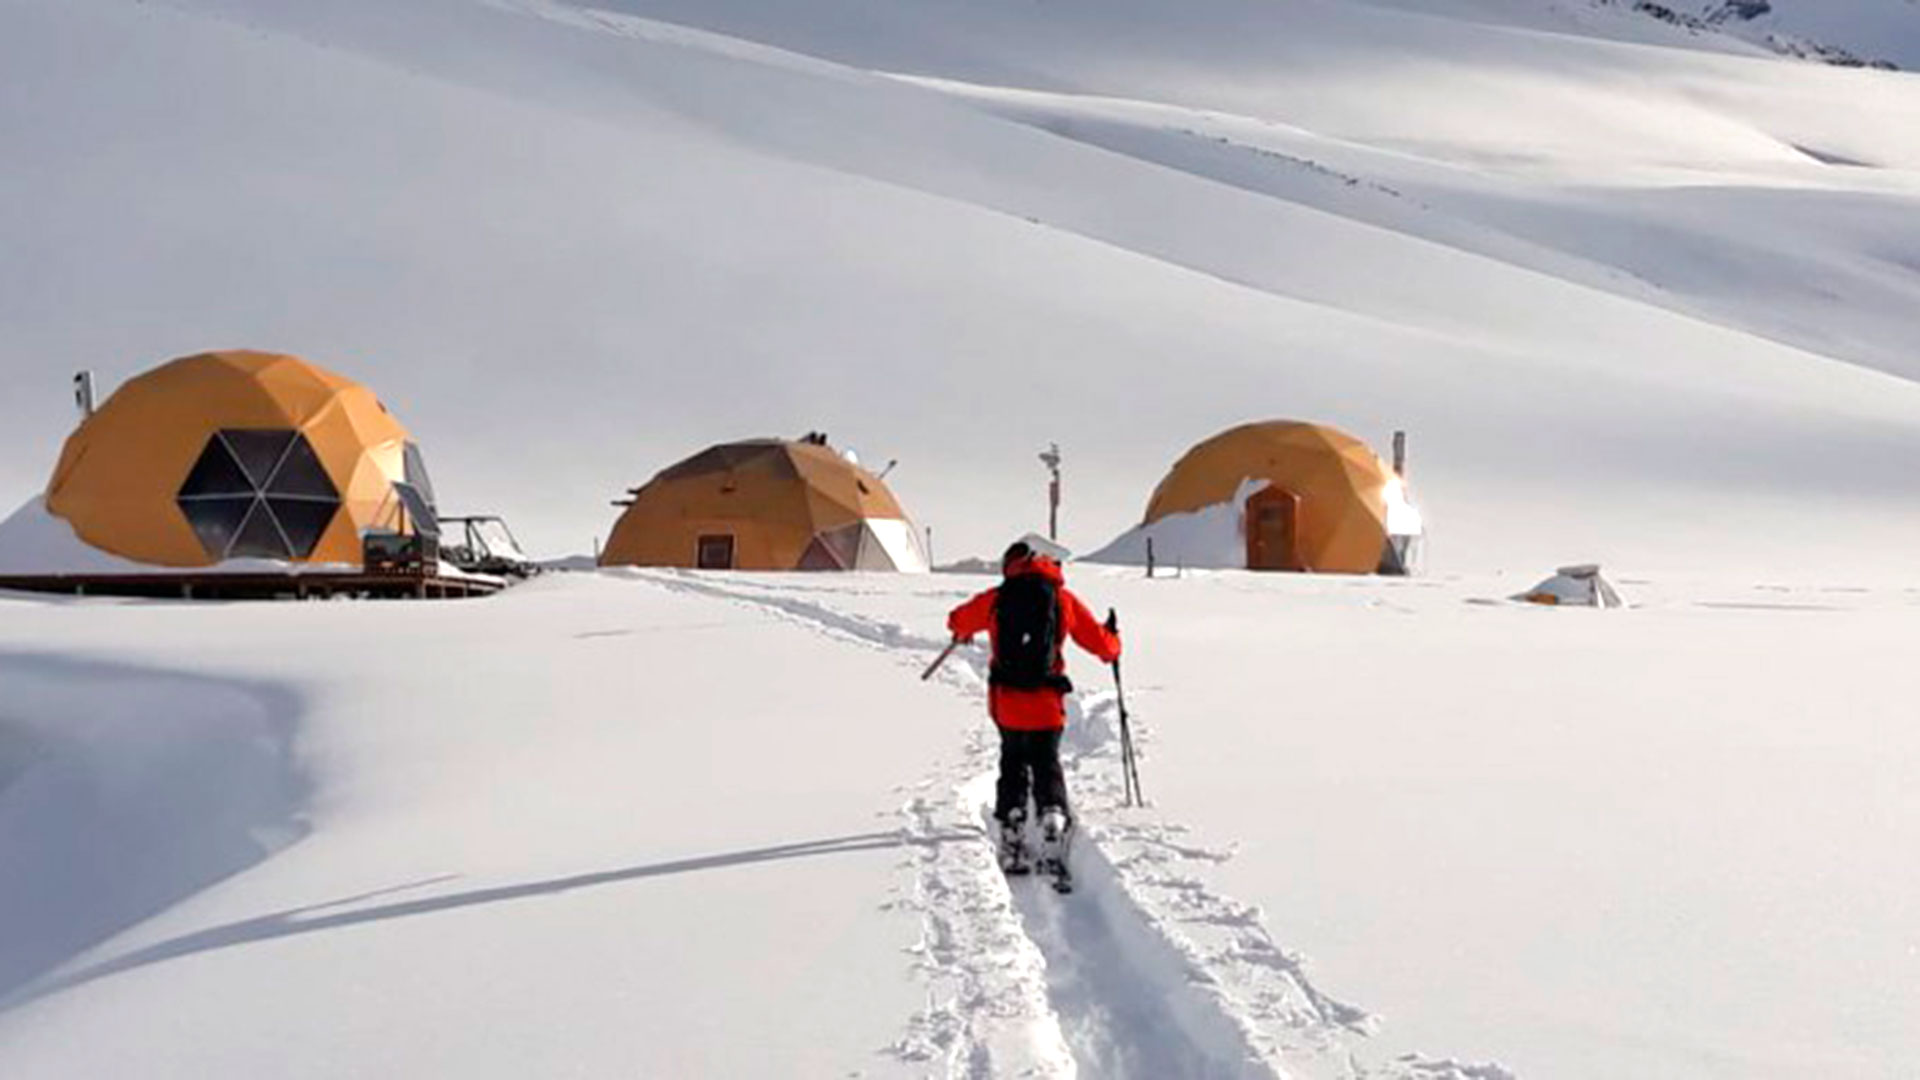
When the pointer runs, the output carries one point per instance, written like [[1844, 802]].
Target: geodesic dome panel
[[233, 454], [861, 546]]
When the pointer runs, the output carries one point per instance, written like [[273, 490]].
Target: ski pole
[[941, 659], [1128, 762], [1129, 770]]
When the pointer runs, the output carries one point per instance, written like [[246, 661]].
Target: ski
[[1062, 877], [1056, 844], [1016, 855], [1015, 864]]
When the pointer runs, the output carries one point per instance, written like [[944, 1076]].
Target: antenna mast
[[1051, 459]]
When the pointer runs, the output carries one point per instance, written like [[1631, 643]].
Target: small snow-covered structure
[[1575, 586], [1277, 495], [766, 504]]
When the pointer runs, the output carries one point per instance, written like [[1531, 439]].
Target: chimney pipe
[[83, 392], [1400, 454]]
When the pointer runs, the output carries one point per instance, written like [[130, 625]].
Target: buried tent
[[232, 455], [1574, 586], [765, 504], [1277, 495]]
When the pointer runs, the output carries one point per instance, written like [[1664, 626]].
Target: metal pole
[[1051, 459], [941, 659], [1129, 768]]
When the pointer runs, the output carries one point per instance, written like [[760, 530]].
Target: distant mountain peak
[[1761, 23]]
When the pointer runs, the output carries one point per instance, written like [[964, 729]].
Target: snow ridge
[[1144, 972]]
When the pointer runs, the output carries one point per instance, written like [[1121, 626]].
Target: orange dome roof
[[765, 504], [1336, 483], [231, 454]]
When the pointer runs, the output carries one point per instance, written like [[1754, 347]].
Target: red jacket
[[1035, 710]]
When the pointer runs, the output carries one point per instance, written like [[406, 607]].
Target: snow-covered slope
[[1615, 284], [1641, 292], [1581, 844], [665, 824], [535, 841]]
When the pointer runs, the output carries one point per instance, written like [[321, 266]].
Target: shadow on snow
[[309, 920]]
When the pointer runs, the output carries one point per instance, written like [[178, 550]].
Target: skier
[[1028, 618]]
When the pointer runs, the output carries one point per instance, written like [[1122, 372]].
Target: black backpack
[[1026, 635]]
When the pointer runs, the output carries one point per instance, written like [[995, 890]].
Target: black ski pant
[[1030, 763]]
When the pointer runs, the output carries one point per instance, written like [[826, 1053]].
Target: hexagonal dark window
[[258, 492]]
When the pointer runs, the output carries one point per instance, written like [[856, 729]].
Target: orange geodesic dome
[[240, 455], [765, 504], [1322, 503]]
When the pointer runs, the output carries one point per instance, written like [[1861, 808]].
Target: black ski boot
[[1015, 858]]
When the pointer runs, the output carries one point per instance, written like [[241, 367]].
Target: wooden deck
[[192, 586]]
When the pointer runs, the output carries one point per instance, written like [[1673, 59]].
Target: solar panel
[[425, 522]]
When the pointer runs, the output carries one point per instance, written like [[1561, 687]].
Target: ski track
[[1143, 972]]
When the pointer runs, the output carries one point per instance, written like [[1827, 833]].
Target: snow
[[1639, 845], [1640, 294], [488, 885], [110, 813], [34, 542], [1403, 517], [1211, 538], [1548, 845]]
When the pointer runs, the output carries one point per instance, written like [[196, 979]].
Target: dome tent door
[[714, 551], [1273, 528]]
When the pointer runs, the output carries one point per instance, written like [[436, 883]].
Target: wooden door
[[1273, 530], [714, 552]]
